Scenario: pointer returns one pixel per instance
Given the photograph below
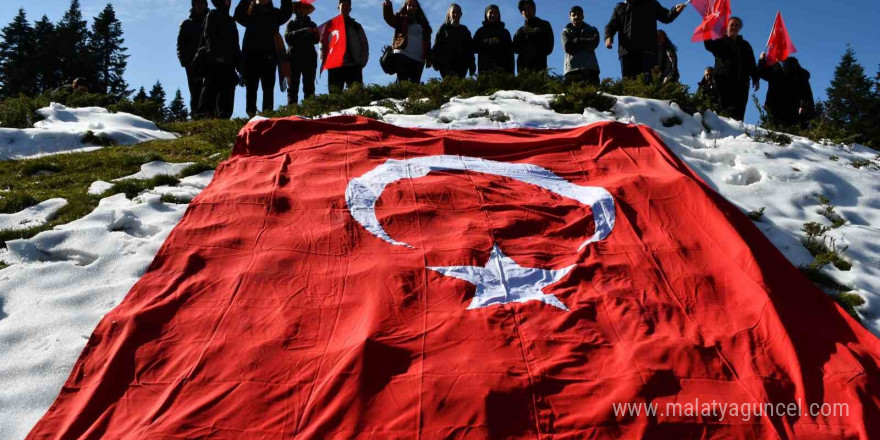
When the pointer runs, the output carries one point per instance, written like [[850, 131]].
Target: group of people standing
[[215, 63]]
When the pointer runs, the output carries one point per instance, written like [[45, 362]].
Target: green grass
[[757, 214]]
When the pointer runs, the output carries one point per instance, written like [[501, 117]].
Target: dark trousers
[[259, 69], [634, 64], [581, 75], [733, 96], [218, 92], [194, 81], [307, 75], [457, 72], [342, 77], [408, 69]]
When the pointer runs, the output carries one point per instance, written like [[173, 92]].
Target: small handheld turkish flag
[[333, 43], [779, 46], [715, 14]]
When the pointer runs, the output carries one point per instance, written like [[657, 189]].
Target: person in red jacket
[[412, 39]]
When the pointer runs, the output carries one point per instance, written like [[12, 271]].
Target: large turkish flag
[[343, 278]]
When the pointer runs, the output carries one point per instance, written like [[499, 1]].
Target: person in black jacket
[[667, 58], [706, 89], [533, 42], [357, 52], [261, 21], [301, 36], [492, 43], [636, 22], [789, 98], [734, 68], [187, 45], [453, 52], [219, 56], [579, 41]]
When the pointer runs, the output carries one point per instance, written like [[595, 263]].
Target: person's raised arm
[[667, 16], [285, 11], [388, 14]]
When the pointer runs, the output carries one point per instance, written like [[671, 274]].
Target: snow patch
[[33, 216]]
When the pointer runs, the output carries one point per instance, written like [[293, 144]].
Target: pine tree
[[109, 54], [141, 95], [45, 59], [177, 110], [157, 95], [72, 42], [16, 50], [850, 98]]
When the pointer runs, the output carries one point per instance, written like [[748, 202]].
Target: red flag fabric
[[779, 45], [715, 15], [333, 43], [347, 279]]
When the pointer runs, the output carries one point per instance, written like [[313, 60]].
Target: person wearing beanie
[[219, 57], [533, 42], [636, 23], [580, 40], [492, 44], [301, 36], [187, 44]]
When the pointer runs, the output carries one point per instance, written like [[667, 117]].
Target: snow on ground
[[62, 130], [33, 216], [61, 282]]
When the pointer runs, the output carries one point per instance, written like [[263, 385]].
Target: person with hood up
[[301, 36], [735, 67], [187, 44], [412, 39], [492, 44], [261, 20], [789, 98], [667, 58], [580, 40], [636, 23], [357, 52], [533, 42], [453, 52], [219, 57]]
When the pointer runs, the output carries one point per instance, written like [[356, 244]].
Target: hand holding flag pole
[[779, 45]]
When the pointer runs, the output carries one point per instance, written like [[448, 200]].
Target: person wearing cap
[[187, 45], [261, 20], [492, 44], [220, 57], [533, 42], [453, 52], [301, 36], [636, 23], [580, 40], [412, 39], [357, 53]]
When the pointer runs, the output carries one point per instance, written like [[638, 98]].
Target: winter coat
[[301, 36], [636, 22], [533, 42], [219, 40], [357, 48], [667, 61], [580, 45], [261, 24], [400, 23], [454, 49], [706, 88], [494, 48], [188, 38], [734, 60], [788, 90]]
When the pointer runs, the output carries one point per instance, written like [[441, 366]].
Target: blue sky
[[820, 29]]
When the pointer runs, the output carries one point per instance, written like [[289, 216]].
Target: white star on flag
[[503, 281]]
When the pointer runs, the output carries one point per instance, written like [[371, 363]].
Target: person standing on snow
[[219, 57], [735, 67], [580, 40], [492, 44], [636, 23], [412, 39], [261, 20], [789, 98], [187, 44], [453, 52], [301, 36], [533, 42]]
